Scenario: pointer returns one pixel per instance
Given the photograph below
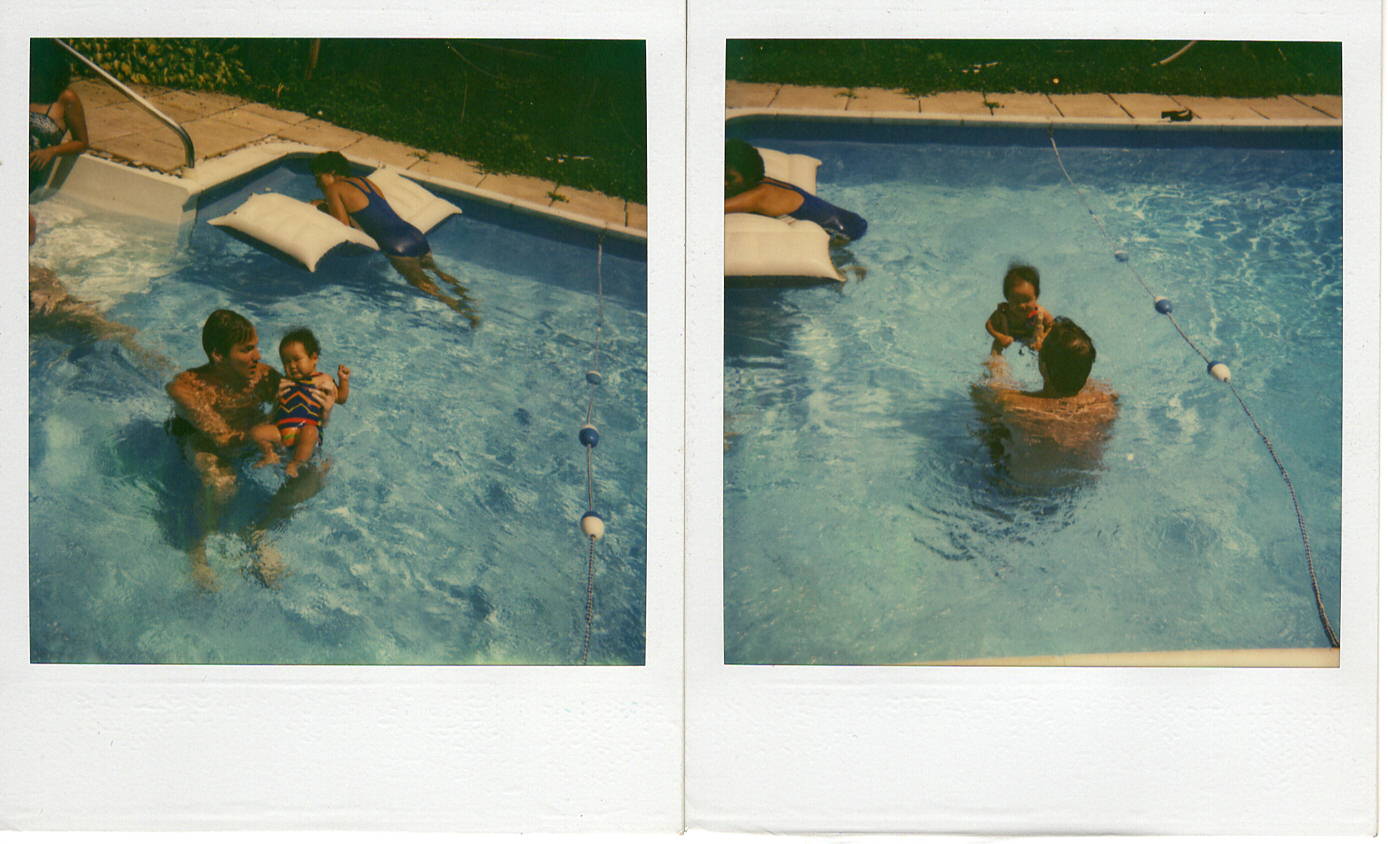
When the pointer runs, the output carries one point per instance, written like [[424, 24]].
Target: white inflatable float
[[304, 233], [778, 251]]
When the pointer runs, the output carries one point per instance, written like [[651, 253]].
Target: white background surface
[[1034, 750], [465, 748], [948, 749]]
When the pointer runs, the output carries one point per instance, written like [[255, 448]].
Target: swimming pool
[[869, 516], [447, 532]]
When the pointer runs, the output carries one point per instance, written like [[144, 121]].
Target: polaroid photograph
[[1042, 488], [339, 414]]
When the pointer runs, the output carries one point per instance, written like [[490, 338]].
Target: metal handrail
[[189, 154]]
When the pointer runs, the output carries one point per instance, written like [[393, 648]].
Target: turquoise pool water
[[447, 532], [870, 518]]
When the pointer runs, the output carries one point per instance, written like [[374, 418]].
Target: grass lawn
[[1209, 68]]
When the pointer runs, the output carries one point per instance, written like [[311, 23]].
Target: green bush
[[202, 64]]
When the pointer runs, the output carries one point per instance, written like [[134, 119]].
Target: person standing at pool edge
[[356, 201], [216, 406], [748, 190]]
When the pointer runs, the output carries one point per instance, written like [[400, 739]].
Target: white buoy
[[591, 525], [1219, 372]]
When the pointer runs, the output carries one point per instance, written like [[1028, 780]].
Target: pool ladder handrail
[[189, 154]]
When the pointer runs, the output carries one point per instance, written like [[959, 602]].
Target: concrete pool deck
[[220, 124], [978, 106]]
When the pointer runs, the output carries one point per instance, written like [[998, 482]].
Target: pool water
[[870, 518], [447, 531]]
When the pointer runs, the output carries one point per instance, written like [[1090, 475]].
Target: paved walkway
[[1117, 108], [219, 124]]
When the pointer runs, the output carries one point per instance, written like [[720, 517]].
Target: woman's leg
[[413, 271]]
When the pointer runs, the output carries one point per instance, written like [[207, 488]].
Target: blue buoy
[[588, 435], [591, 525], [594, 377], [1163, 305], [1218, 371]]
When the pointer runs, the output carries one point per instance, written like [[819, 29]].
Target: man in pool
[[1049, 435], [216, 406]]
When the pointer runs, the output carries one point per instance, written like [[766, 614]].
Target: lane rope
[[1220, 372], [591, 523]]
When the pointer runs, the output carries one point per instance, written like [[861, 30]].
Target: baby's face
[[298, 363], [1021, 298]]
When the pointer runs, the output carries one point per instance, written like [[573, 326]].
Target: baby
[[306, 399], [1019, 318]]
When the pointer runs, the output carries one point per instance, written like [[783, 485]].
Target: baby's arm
[[344, 375], [1000, 340]]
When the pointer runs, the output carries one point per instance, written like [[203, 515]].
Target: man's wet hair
[[50, 72], [330, 162], [1068, 355], [742, 158], [303, 337], [1018, 272], [223, 330]]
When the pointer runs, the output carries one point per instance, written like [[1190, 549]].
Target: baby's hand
[[1004, 340], [343, 373]]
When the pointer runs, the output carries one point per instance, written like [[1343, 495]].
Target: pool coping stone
[[254, 134]]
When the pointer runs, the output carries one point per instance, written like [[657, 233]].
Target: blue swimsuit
[[835, 220], [396, 237]]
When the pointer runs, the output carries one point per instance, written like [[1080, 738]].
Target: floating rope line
[[591, 523], [1220, 372]]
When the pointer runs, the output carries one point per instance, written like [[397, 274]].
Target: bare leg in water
[[413, 269], [268, 564], [217, 482]]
